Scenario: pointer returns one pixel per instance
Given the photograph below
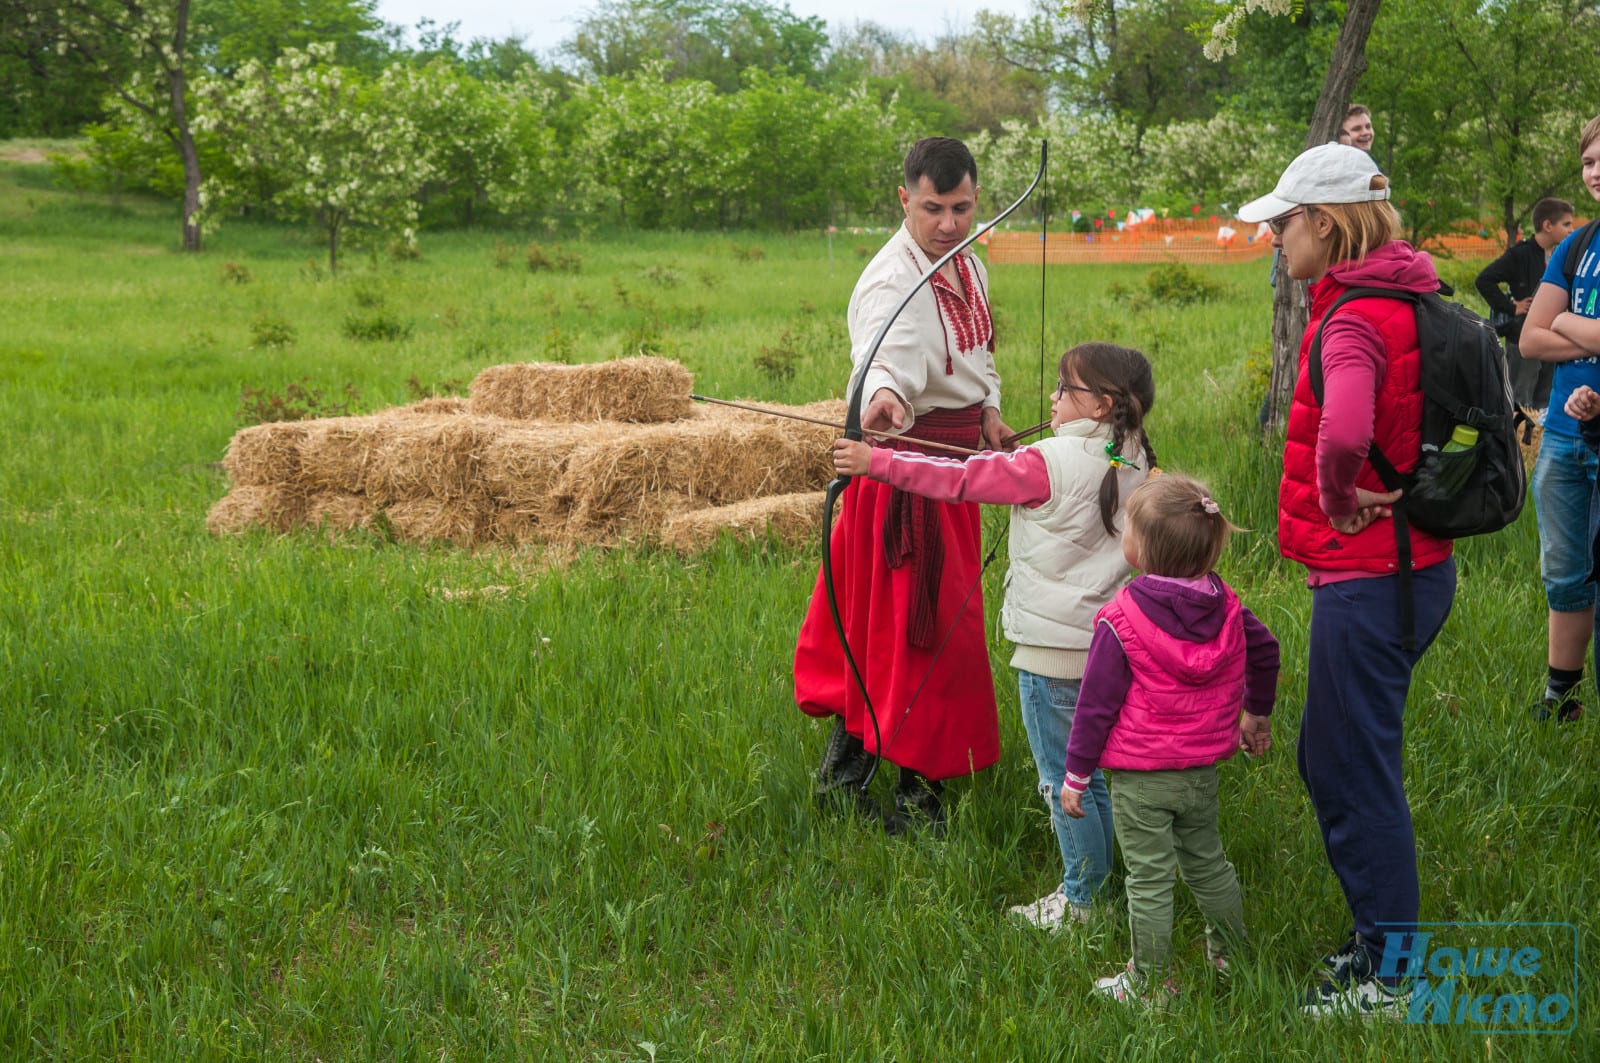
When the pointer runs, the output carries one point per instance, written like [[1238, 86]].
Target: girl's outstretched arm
[[1017, 478]]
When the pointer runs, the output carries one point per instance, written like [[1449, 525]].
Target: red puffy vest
[[1304, 534]]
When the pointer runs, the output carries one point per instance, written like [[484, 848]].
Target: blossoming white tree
[[329, 147]]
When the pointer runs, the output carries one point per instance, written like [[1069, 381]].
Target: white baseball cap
[[1328, 173]]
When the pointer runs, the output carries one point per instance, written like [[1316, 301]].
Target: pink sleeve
[[1352, 365], [1018, 478]]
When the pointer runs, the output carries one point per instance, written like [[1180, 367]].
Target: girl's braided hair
[[1121, 375]]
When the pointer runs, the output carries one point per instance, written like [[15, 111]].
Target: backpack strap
[[1576, 249], [1387, 473]]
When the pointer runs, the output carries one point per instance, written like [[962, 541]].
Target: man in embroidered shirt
[[906, 569]]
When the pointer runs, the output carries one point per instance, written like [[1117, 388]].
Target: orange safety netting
[[1155, 240], [1192, 240]]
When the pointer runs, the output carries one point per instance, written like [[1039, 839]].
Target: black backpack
[[1450, 492], [1576, 249]]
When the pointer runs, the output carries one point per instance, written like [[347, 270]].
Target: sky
[[546, 23]]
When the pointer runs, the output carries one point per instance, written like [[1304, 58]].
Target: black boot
[[918, 805], [846, 766]]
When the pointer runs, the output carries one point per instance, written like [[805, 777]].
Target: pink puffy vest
[[1304, 534], [1183, 707]]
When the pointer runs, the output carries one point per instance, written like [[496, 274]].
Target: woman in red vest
[[1331, 218]]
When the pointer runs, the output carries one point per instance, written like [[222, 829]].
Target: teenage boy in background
[[1520, 269], [1356, 129]]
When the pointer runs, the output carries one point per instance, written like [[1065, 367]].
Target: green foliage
[[375, 326], [272, 330], [298, 401], [715, 41], [556, 260], [231, 33], [778, 361], [234, 273], [663, 276], [417, 390], [1180, 285], [334, 149]]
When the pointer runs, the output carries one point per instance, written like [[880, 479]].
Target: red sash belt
[[911, 531]]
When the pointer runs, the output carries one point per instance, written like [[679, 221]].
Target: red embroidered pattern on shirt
[[968, 320]]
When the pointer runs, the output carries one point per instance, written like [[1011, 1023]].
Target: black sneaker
[[1352, 989], [1336, 965], [1562, 710]]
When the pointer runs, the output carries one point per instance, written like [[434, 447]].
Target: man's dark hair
[[1353, 110], [944, 161], [1549, 209]]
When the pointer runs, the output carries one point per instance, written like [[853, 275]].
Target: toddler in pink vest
[[1174, 660]]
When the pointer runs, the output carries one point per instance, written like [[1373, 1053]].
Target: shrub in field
[[558, 346], [779, 360], [556, 260], [234, 273], [379, 325], [664, 276], [502, 255], [367, 296], [417, 390], [753, 253], [1174, 282], [402, 249], [271, 330], [298, 401]]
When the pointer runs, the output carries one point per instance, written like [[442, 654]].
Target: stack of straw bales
[[597, 454]]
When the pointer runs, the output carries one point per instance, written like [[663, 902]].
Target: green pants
[[1167, 821]]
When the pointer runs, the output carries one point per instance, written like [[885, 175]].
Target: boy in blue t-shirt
[[1563, 326]]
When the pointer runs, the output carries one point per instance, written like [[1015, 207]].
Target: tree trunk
[[1289, 309], [177, 82]]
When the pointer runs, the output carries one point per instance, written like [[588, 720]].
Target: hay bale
[[340, 512], [434, 405], [647, 390], [794, 518], [523, 463], [516, 527], [265, 453], [461, 521], [427, 456], [279, 507], [712, 460], [337, 453]]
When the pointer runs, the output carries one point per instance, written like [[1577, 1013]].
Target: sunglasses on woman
[[1278, 224]]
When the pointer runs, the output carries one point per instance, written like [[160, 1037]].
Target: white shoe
[[1366, 998], [1119, 987], [1051, 911]]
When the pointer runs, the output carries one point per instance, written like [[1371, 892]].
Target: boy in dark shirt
[[1520, 269]]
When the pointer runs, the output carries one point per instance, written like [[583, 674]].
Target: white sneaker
[[1366, 998], [1119, 987], [1051, 911]]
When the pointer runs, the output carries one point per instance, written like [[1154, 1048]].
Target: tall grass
[[284, 797]]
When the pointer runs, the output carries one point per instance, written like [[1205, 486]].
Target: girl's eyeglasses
[[1062, 387], [1278, 224]]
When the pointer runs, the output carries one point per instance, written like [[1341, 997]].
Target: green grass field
[[284, 798]]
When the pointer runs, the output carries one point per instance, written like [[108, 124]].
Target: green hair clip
[[1117, 459]]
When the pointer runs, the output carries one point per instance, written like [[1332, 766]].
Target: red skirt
[[935, 707]]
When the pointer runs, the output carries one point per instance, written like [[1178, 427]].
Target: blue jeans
[[1352, 738], [1086, 844], [1568, 509]]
